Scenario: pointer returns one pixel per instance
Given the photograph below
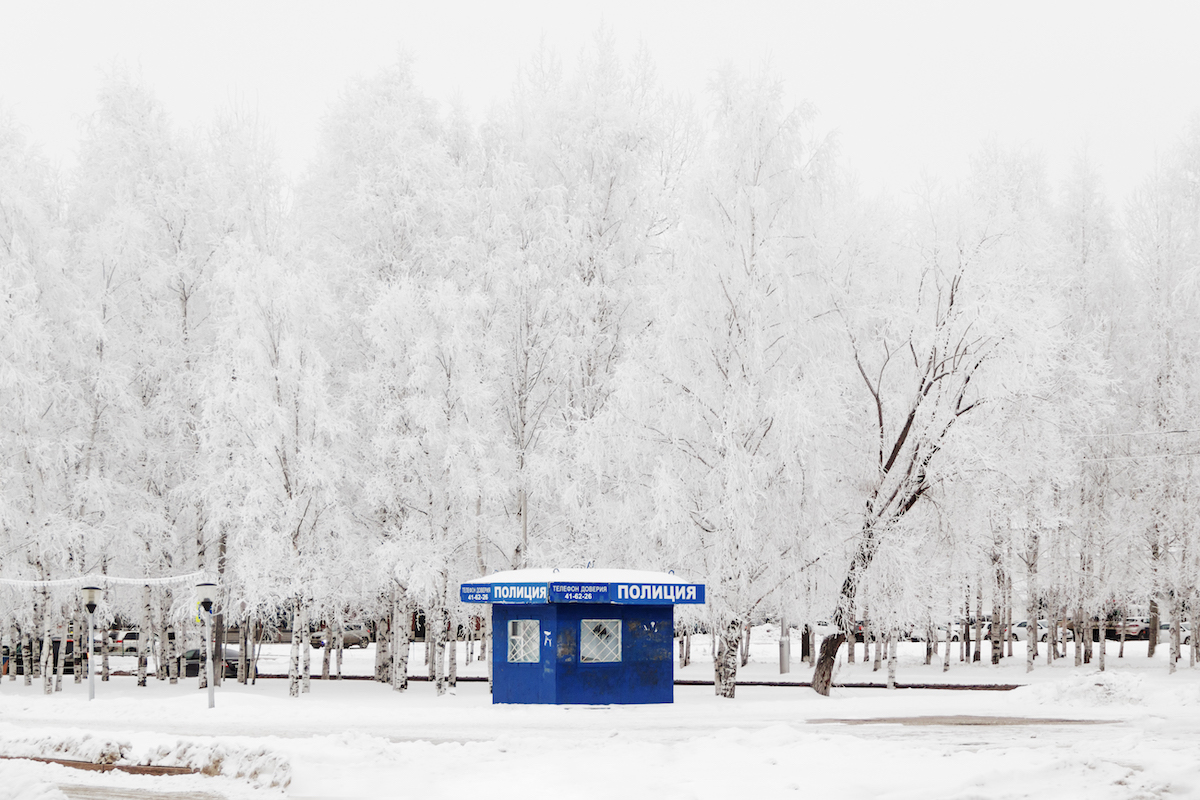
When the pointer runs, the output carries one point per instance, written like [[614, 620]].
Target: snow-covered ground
[[1131, 732]]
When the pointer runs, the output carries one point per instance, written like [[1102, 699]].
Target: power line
[[1135, 433], [103, 580], [1138, 458]]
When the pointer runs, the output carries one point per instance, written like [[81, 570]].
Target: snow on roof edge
[[577, 575]]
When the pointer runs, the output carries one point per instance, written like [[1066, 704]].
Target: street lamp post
[[204, 596], [90, 595]]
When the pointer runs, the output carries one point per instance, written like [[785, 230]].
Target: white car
[[1185, 632], [1021, 630], [1043, 631]]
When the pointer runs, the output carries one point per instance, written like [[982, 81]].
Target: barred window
[[600, 641], [523, 641]]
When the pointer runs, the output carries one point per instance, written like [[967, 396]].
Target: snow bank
[[1091, 690], [21, 781], [226, 757]]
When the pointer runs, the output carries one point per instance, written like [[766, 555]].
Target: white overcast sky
[[908, 86]]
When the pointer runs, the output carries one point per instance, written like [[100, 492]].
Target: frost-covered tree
[[1163, 229], [719, 384], [270, 459], [930, 326]]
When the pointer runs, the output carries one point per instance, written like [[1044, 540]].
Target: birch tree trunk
[[1194, 650], [1102, 644], [976, 656], [867, 622], [161, 645], [27, 658], [431, 639], [105, 646], [746, 645], [144, 635], [438, 665], [1051, 640], [306, 660], [1008, 613], [949, 636], [244, 639], [965, 648], [725, 660], [997, 628], [1152, 632], [402, 634], [452, 653], [384, 632], [60, 661], [1032, 548], [47, 667], [1031, 634], [172, 654], [1173, 656], [1080, 634], [82, 641], [18, 651], [892, 637], [340, 640], [299, 625], [257, 634], [327, 649]]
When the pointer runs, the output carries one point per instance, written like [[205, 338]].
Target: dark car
[[13, 662], [191, 663]]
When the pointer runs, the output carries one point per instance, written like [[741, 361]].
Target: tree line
[[608, 324]]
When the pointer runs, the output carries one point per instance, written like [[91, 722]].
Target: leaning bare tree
[[928, 379]]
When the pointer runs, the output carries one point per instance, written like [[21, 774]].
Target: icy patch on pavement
[[1092, 689], [227, 758]]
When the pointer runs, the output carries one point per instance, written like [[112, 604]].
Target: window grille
[[523, 641], [600, 641]]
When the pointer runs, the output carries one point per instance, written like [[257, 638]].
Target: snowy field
[[1131, 732]]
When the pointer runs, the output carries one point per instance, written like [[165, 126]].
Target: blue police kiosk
[[591, 636]]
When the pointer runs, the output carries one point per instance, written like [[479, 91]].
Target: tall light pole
[[204, 596], [90, 595]]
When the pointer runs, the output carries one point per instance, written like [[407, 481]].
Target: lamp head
[[205, 593], [91, 595]]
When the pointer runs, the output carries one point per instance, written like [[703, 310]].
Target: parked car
[[1134, 627], [1185, 632], [13, 662], [354, 634], [949, 630], [986, 632], [124, 643], [191, 662], [1066, 631], [823, 628], [1021, 631]]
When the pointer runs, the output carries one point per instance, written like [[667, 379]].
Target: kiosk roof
[[620, 586]]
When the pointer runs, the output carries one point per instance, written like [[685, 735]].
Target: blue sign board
[[553, 592]]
